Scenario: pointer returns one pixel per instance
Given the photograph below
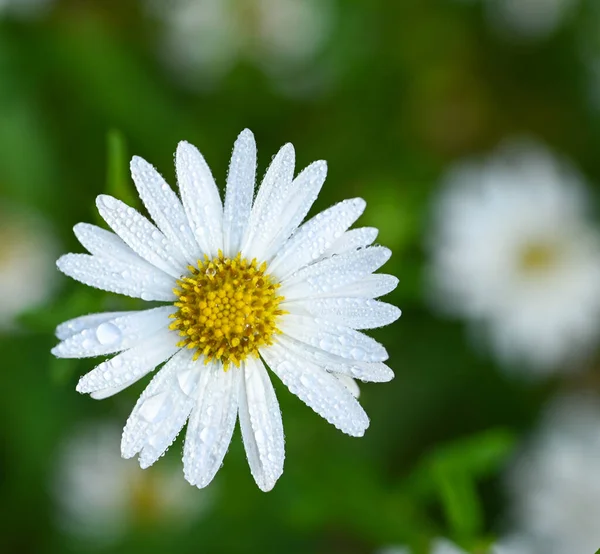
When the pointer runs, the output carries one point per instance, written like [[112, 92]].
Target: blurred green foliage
[[414, 85]]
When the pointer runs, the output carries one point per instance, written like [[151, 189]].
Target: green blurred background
[[391, 94]]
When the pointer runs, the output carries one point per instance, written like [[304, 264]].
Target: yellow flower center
[[537, 257], [227, 309]]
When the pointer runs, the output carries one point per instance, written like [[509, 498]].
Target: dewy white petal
[[162, 409], [164, 207], [200, 197], [239, 192], [371, 286], [352, 240], [114, 335], [140, 280], [316, 236], [318, 389], [323, 278], [126, 368], [349, 383], [211, 424], [269, 204], [74, 326], [375, 372], [335, 339], [303, 192], [261, 425], [105, 244], [357, 313], [141, 235]]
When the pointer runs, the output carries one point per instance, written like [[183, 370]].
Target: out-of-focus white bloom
[[555, 482], [24, 8], [100, 496], [203, 39], [27, 275], [443, 546], [513, 251], [528, 19]]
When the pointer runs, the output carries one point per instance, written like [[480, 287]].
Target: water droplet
[[108, 333], [188, 380], [207, 434], [156, 408]]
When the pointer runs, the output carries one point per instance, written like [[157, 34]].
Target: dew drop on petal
[[156, 408], [108, 333]]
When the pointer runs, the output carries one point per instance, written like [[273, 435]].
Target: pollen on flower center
[[227, 309], [536, 257]]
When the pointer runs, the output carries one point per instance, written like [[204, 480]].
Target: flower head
[[244, 283], [100, 496], [514, 251], [554, 483], [204, 39], [27, 251]]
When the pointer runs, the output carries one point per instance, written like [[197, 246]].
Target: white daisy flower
[[100, 496], [24, 8], [203, 39], [27, 253], [442, 546], [243, 283], [513, 250], [555, 484], [528, 19]]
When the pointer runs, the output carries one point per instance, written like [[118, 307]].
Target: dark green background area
[[415, 85]]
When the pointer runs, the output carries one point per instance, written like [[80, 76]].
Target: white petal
[[105, 244], [211, 424], [324, 277], [114, 335], [269, 204], [315, 237], [371, 286], [164, 207], [262, 428], [143, 237], [78, 324], [201, 199], [162, 409], [335, 339], [239, 192], [357, 313], [139, 281], [349, 383], [320, 390], [352, 240], [303, 192], [126, 368], [376, 372]]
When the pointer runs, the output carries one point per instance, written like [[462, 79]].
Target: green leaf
[[118, 183], [459, 500]]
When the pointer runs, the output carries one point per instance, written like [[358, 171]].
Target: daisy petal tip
[[63, 262], [137, 163], [246, 135], [267, 486], [144, 463]]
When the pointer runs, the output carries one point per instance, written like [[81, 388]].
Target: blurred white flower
[[528, 19], [555, 482], [513, 251], [203, 39], [27, 269], [23, 7], [101, 496], [443, 546]]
